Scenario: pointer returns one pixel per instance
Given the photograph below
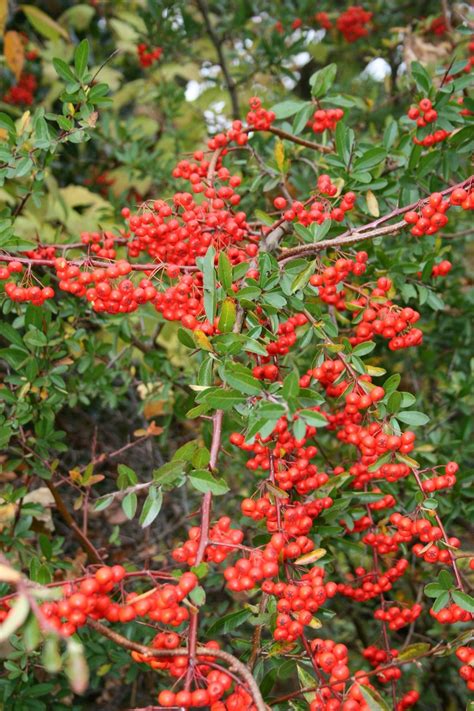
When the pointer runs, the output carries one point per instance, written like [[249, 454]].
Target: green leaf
[[241, 378], [322, 80], [229, 623], [43, 24], [50, 656], [373, 699], [291, 386], [197, 596], [151, 507], [302, 118], [126, 476], [221, 399], [227, 316], [413, 417], [421, 77], [224, 272], [76, 666], [209, 284], [441, 601], [413, 651], [16, 617], [364, 348], [129, 505], [301, 279], [81, 55], [170, 472], [432, 590], [287, 108], [203, 481], [64, 70], [313, 418], [370, 159], [463, 600]]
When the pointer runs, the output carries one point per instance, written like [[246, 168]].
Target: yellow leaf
[[315, 623], [3, 14], [9, 575], [339, 183], [14, 52], [279, 155], [372, 204], [43, 23], [311, 557], [23, 123], [202, 341]]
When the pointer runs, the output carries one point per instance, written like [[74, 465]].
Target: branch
[[217, 42], [233, 662], [86, 544], [366, 232]]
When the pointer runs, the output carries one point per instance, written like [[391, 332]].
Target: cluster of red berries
[[409, 699], [432, 217], [147, 56], [427, 533], [217, 682], [101, 244], [451, 614], [466, 672], [423, 114], [23, 93], [322, 18], [248, 571], [223, 540], [286, 335], [34, 294], [258, 117], [317, 210], [297, 602], [397, 617], [90, 599], [443, 481], [374, 583], [438, 26], [376, 656], [377, 315], [323, 120], [352, 23], [120, 296], [297, 519], [441, 269], [327, 280]]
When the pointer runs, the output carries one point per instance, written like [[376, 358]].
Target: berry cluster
[[451, 614], [423, 114], [89, 598], [352, 23], [322, 18], [325, 120], [23, 93], [372, 584], [377, 315], [258, 117], [396, 617], [101, 244], [466, 672], [147, 56], [223, 540], [443, 481], [327, 280], [34, 294], [441, 269], [297, 602]]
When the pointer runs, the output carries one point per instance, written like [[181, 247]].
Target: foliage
[[285, 276]]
